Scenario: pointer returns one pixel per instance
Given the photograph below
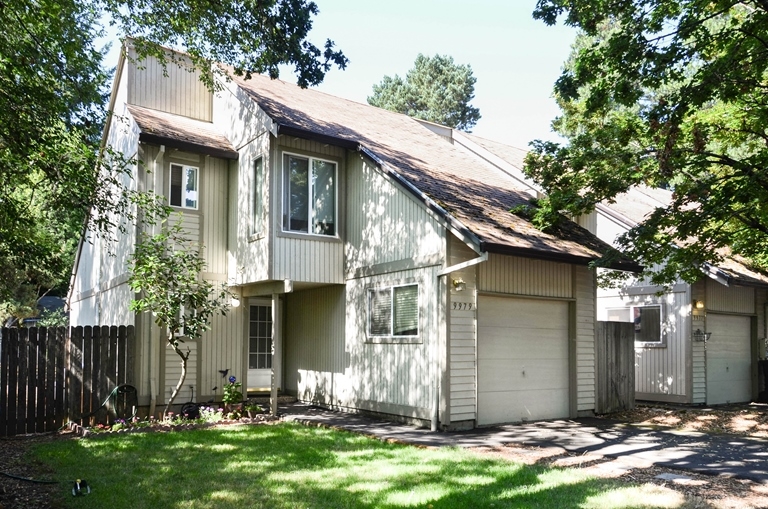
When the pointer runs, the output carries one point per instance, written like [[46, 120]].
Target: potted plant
[[252, 409], [233, 395]]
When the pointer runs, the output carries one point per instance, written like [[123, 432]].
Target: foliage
[[233, 392], [53, 94], [665, 93], [166, 272], [436, 89], [53, 318], [300, 466]]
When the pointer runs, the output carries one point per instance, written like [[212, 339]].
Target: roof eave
[[561, 257], [154, 139]]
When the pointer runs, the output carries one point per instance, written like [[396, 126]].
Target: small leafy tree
[[165, 272]]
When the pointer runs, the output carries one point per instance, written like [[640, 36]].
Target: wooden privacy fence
[[615, 367], [49, 376]]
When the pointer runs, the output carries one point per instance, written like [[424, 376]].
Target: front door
[[260, 345]]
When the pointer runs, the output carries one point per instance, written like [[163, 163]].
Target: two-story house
[[377, 267]]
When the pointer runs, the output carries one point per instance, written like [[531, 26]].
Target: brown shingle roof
[[470, 190], [181, 132]]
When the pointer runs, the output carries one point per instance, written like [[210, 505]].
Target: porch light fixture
[[459, 285], [700, 336], [235, 301], [698, 304]]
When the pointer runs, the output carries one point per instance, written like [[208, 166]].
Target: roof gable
[[474, 193]]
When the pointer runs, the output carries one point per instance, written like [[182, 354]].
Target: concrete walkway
[[712, 454]]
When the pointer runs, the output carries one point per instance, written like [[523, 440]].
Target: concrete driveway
[[712, 454]]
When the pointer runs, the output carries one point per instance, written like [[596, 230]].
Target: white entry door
[[729, 359], [522, 360], [260, 345]]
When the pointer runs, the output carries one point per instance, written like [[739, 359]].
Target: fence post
[[5, 386]]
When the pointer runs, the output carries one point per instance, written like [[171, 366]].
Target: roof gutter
[[555, 257]]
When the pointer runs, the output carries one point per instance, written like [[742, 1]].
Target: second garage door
[[522, 359], [729, 366]]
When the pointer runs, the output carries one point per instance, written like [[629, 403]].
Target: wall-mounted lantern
[[701, 336], [459, 285], [698, 304]]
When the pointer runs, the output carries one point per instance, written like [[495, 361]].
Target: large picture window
[[393, 311], [309, 195], [183, 186]]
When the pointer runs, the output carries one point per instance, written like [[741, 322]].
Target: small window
[[256, 197], [183, 186], [646, 320], [309, 195], [393, 311]]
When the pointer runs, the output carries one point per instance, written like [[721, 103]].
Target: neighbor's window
[[646, 320], [256, 197], [309, 195], [393, 311], [183, 186]]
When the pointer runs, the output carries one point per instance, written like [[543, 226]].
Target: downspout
[[152, 381]]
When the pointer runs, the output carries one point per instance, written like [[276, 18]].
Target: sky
[[515, 58]]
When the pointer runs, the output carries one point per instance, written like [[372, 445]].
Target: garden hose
[[120, 389], [38, 481]]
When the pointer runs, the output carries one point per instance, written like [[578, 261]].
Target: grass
[[292, 466]]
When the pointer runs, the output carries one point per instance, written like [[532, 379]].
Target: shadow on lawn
[[286, 466]]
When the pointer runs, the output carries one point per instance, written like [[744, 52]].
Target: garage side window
[[183, 192], [393, 311]]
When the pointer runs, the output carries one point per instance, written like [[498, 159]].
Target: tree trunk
[[184, 357]]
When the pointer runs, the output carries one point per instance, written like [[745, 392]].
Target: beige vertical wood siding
[[525, 276], [221, 348], [315, 352], [384, 223], [584, 286], [173, 372], [308, 258], [214, 195], [180, 92], [730, 299], [462, 335]]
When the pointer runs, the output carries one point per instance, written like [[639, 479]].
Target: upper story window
[[393, 311], [256, 197], [309, 195], [183, 186]]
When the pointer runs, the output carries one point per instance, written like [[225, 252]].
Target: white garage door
[[522, 359], [729, 366]]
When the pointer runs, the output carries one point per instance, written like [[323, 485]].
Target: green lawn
[[292, 466]]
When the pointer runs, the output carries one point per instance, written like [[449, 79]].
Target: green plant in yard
[[290, 466], [166, 272], [233, 392]]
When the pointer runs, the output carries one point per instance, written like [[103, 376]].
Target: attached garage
[[728, 358], [522, 359]]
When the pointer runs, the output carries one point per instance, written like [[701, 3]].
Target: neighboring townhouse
[[377, 268], [674, 360]]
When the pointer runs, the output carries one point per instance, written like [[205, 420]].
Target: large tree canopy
[[436, 89], [665, 93], [53, 87]]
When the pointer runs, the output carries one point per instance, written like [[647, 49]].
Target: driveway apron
[[712, 454]]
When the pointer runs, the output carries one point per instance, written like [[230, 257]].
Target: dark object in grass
[[80, 487]]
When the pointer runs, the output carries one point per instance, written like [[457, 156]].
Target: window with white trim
[[256, 197], [183, 191], [393, 311], [646, 320], [309, 195]]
